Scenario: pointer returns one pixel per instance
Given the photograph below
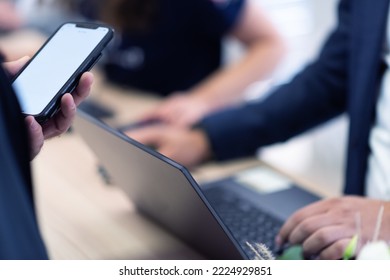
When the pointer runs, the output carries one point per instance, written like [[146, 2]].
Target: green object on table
[[350, 250], [296, 253], [292, 253]]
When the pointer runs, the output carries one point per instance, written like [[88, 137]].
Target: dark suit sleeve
[[315, 95]]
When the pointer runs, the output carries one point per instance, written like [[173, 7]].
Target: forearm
[[264, 48], [227, 86]]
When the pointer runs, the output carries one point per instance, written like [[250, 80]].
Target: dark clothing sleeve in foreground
[[19, 234]]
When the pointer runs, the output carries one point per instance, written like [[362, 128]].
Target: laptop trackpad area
[[267, 190]]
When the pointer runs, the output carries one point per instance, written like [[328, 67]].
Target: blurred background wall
[[318, 155]]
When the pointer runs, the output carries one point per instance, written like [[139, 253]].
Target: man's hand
[[180, 109], [325, 228], [188, 147], [62, 120]]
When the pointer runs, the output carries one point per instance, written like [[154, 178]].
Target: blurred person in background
[[351, 75], [174, 48], [26, 24], [10, 18]]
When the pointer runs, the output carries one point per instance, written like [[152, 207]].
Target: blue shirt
[[182, 47]]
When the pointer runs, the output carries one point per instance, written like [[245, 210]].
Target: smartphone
[[57, 67]]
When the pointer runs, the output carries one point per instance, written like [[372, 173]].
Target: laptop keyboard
[[247, 222]]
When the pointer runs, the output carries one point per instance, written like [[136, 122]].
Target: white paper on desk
[[263, 180]]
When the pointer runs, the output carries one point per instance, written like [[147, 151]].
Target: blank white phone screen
[[55, 64]]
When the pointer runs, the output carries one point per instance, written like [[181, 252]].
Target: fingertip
[[283, 234], [32, 124], [68, 106], [24, 58], [14, 67], [88, 78], [28, 120], [22, 61], [84, 87], [67, 96], [278, 241], [68, 101]]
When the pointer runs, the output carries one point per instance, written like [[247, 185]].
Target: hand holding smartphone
[[57, 67]]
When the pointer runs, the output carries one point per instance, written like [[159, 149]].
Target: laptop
[[224, 219]]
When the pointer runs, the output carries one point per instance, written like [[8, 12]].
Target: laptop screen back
[[160, 188]]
